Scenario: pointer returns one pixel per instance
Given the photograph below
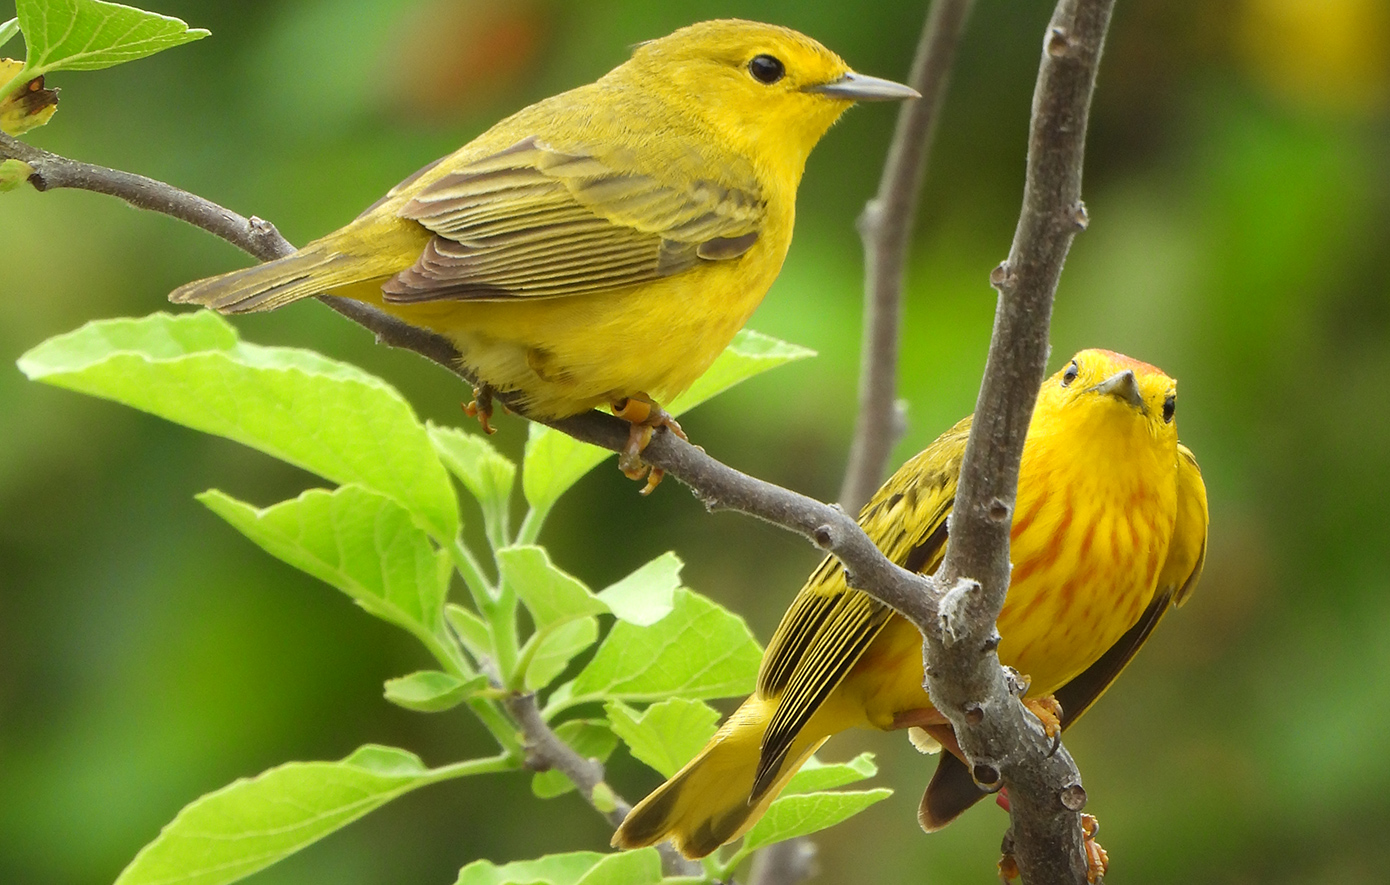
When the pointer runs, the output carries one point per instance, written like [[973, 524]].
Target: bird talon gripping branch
[[481, 408], [1049, 713], [1097, 860], [645, 417]]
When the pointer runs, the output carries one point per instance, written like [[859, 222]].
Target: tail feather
[[310, 271], [711, 801]]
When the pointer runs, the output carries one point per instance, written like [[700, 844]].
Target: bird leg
[[645, 417], [481, 407]]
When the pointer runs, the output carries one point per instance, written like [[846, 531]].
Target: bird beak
[[1123, 386], [859, 87]]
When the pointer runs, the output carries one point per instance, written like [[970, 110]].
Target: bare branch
[[963, 669], [885, 227]]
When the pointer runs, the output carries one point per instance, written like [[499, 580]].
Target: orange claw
[[644, 416], [1097, 860], [481, 408], [1049, 713]]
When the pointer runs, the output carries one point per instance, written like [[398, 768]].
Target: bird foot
[[1097, 860], [1049, 713], [645, 417], [481, 408]]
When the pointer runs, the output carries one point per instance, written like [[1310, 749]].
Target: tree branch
[[963, 673], [958, 624], [885, 226]]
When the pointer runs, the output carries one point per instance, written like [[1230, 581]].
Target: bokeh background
[[1238, 182]]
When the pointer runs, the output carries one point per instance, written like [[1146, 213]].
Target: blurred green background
[[1238, 182]]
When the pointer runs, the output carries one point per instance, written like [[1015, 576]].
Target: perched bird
[[600, 247], [1110, 529]]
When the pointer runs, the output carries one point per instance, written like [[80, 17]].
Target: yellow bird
[[600, 247], [1110, 529]]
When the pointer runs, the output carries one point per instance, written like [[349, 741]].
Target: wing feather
[[535, 221]]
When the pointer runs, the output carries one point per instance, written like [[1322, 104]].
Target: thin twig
[[885, 226], [963, 671]]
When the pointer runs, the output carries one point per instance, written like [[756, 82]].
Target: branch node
[[1002, 277], [1080, 217], [1059, 42], [1000, 511], [1016, 682], [1073, 797], [974, 714], [951, 614], [986, 776], [823, 536], [871, 219]]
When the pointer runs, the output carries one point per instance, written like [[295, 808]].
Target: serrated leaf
[[432, 691], [645, 596], [556, 648], [472, 630], [551, 595], [554, 461], [807, 813], [554, 869], [87, 35], [327, 417], [816, 775], [640, 867], [486, 474], [590, 738], [252, 823], [700, 650], [357, 540], [666, 735]]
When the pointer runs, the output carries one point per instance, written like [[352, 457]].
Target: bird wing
[[536, 221], [1181, 570], [829, 625]]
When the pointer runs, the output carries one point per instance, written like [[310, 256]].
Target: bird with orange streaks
[[1109, 532]]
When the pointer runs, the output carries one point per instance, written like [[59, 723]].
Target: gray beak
[[1123, 386], [858, 87]]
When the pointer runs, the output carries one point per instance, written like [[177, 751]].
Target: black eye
[[766, 69], [1070, 374], [1170, 407]]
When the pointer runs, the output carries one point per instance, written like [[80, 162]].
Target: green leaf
[[554, 869], [472, 630], [666, 735], [700, 650], [816, 775], [327, 417], [551, 595], [359, 541], [556, 648], [431, 691], [640, 867], [554, 461], [252, 823], [590, 738], [807, 813], [87, 35], [13, 173], [487, 475], [8, 30], [645, 596]]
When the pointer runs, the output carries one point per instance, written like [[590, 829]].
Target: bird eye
[[1070, 374], [1170, 406], [766, 69]]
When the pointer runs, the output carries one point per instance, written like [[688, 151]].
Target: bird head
[[1119, 397], [767, 89]]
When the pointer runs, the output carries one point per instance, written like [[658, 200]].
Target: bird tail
[[710, 801], [313, 270]]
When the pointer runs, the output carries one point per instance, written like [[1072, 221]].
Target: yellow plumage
[[1109, 530], [602, 244]]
